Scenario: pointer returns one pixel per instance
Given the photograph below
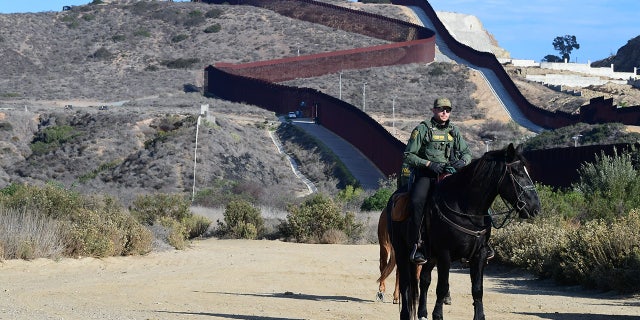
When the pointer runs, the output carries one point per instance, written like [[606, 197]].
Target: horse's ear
[[511, 152]]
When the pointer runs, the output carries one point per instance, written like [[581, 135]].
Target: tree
[[565, 45], [552, 58]]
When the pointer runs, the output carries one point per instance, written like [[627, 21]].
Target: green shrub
[[50, 200], [242, 220], [103, 228], [533, 246], [605, 255], [565, 204], [181, 63], [610, 185], [377, 201], [142, 33], [173, 212], [51, 138], [89, 226], [177, 237], [314, 217], [102, 54], [596, 254], [151, 208], [196, 226], [214, 28], [179, 37]]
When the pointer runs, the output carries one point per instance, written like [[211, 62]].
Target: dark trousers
[[419, 194]]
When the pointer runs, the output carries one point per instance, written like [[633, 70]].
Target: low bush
[[598, 254], [213, 28], [173, 212], [51, 138], [241, 220], [87, 226], [181, 63], [179, 37], [317, 216], [589, 234], [377, 201]]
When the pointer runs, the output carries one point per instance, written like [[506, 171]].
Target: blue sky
[[527, 28], [524, 28]]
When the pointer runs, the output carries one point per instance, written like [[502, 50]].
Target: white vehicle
[[291, 114]]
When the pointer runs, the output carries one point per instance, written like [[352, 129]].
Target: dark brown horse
[[461, 226]]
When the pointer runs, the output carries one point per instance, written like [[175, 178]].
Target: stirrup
[[416, 256]]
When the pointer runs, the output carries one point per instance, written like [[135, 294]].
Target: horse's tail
[[390, 263], [387, 255]]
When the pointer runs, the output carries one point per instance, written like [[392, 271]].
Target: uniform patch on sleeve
[[414, 134]]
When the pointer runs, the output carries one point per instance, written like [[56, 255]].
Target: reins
[[520, 204]]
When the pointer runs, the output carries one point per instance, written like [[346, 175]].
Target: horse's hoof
[[380, 296], [396, 301], [423, 318], [447, 300]]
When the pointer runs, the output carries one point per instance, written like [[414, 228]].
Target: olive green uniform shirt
[[433, 142]]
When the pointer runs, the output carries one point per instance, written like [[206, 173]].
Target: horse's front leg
[[424, 276], [404, 276], [477, 276], [442, 289]]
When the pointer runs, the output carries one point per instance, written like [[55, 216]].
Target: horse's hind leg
[[383, 264], [396, 291]]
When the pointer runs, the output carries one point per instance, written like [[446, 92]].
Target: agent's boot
[[417, 256], [490, 252]]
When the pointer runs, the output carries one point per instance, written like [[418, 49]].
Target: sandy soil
[[267, 280]]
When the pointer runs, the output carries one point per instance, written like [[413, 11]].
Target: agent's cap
[[442, 103]]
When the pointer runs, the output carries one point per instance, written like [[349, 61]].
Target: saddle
[[401, 201]]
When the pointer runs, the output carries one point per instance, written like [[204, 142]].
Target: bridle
[[519, 189], [521, 204]]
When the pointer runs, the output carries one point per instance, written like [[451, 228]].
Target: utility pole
[[195, 155], [393, 114], [340, 85], [364, 97]]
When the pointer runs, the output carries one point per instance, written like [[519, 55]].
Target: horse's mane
[[481, 170]]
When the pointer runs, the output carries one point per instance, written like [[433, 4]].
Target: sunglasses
[[445, 109]]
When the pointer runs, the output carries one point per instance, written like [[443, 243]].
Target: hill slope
[[143, 59]]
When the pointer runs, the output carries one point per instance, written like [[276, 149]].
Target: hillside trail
[[268, 280]]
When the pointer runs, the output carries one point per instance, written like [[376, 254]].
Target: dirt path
[[265, 280]]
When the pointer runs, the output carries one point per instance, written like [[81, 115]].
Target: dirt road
[[266, 280]]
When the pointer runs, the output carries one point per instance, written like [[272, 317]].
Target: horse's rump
[[400, 206]]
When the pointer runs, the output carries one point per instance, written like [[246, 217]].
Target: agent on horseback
[[435, 147]]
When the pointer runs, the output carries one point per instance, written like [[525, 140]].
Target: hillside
[[144, 60]]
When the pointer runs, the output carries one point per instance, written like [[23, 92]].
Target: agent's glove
[[457, 164], [436, 167]]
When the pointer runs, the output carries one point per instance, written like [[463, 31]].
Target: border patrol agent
[[435, 147]]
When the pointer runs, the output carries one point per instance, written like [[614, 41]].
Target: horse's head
[[515, 185]]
